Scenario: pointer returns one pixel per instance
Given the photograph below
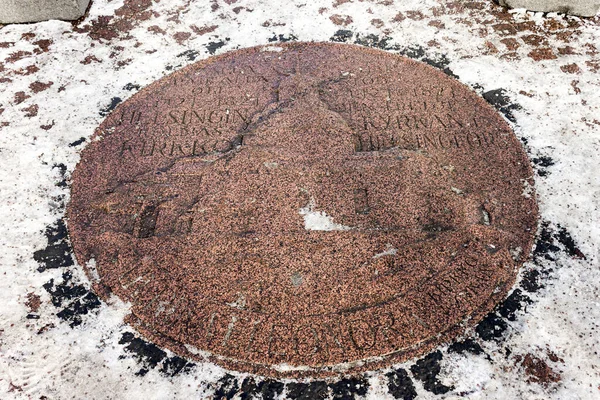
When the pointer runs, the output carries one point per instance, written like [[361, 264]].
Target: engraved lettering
[[306, 341], [278, 332], [173, 116], [332, 340], [147, 151], [362, 335], [229, 330], [250, 345], [125, 147], [210, 328]]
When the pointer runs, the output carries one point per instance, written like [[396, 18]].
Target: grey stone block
[[15, 11], [584, 8]]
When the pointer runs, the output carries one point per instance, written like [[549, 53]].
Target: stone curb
[[583, 8], [18, 11]]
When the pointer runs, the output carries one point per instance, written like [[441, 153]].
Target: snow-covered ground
[[58, 79]]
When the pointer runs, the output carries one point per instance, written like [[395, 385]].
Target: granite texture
[[304, 209], [17, 11], [584, 8]]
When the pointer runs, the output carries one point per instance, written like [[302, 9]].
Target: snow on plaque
[[304, 209]]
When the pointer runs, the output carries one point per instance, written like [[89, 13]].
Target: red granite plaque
[[306, 209]]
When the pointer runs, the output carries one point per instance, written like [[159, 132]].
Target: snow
[[559, 119], [319, 220]]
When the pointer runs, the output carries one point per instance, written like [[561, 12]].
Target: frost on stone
[[272, 48], [319, 220], [91, 267], [527, 189], [389, 251], [240, 303]]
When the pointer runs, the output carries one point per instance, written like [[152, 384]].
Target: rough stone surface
[[15, 11], [304, 209], [584, 8]]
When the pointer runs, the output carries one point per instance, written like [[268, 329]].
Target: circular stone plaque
[[304, 209]]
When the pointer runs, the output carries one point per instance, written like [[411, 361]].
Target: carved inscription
[[321, 342], [385, 140], [205, 120]]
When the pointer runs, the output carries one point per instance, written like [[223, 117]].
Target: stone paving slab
[[325, 206]]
